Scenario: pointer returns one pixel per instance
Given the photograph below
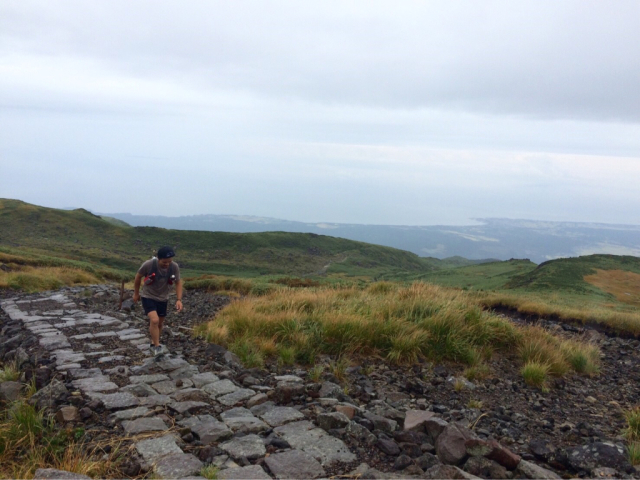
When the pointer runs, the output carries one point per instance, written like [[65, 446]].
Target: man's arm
[[179, 295], [136, 287]]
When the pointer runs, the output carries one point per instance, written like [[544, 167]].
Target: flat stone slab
[[189, 406], [221, 387], [52, 473], [177, 465], [249, 446], [231, 399], [99, 383], [202, 379], [104, 334], [251, 472], [166, 387], [85, 373], [187, 371], [156, 400], [141, 425], [129, 414], [294, 464], [307, 437], [112, 358], [242, 420], [278, 416], [158, 377], [133, 336], [154, 448], [193, 394], [139, 390], [207, 428], [53, 343], [114, 401]]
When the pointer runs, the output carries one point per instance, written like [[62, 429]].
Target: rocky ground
[[198, 405]]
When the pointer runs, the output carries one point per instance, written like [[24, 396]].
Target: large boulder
[[450, 445], [50, 395]]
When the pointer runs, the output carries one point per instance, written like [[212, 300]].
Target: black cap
[[166, 252]]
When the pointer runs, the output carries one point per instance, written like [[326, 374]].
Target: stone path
[[166, 397], [178, 416]]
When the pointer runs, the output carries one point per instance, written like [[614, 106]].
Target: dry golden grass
[[399, 323], [625, 286], [35, 279], [566, 309]]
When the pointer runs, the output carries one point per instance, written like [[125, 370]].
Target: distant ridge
[[494, 238]]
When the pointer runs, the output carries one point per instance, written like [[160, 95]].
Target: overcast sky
[[414, 113]]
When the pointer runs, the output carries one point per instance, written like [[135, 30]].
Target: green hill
[[79, 235], [568, 274]]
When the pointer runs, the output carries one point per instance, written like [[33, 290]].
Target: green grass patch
[[535, 373]]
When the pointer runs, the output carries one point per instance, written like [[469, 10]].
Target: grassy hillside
[[80, 236]]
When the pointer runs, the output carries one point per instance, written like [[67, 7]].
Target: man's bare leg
[[154, 327], [160, 325]]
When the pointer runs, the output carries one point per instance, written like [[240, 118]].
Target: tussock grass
[[400, 323], [535, 373], [37, 279], [215, 283], [567, 308], [209, 472], [633, 453], [9, 372], [29, 440], [633, 424]]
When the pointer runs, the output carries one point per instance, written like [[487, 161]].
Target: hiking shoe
[[156, 351]]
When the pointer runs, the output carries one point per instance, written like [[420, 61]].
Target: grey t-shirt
[[159, 289]]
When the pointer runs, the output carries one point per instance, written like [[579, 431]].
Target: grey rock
[[402, 462], [22, 357], [278, 416], [188, 406], [141, 425], [484, 468], [240, 395], [207, 428], [129, 414], [251, 472], [527, 469], [330, 421], [434, 427], [381, 423], [190, 394], [166, 387], [154, 448], [221, 387], [187, 371], [448, 471], [330, 390], [98, 383], [316, 442], [388, 446], [288, 379], [139, 390], [52, 473], [10, 391], [427, 460], [202, 379], [156, 400], [361, 433], [249, 446], [257, 400], [54, 343], [598, 454], [80, 373], [158, 377], [294, 464], [177, 465], [116, 401], [241, 420], [47, 397]]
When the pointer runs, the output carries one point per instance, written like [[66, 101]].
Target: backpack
[[149, 279]]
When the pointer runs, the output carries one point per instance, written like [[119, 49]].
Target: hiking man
[[158, 274]]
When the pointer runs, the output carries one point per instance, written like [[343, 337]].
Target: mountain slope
[[81, 235]]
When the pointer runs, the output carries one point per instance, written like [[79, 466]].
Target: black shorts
[[150, 305]]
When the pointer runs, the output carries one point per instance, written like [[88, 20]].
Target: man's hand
[[136, 297], [179, 305]]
